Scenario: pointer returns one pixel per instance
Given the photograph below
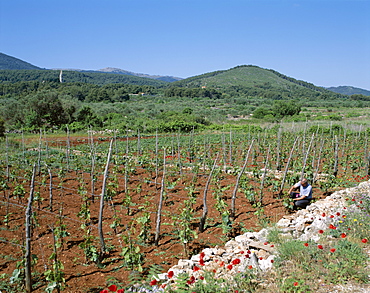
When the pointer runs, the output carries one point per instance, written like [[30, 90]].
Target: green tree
[[2, 128]]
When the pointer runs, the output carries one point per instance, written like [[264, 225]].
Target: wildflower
[[247, 256], [323, 215], [265, 243], [202, 255], [163, 286], [331, 226], [222, 264], [191, 280], [331, 216], [261, 258], [321, 231], [229, 267], [112, 288], [272, 261], [364, 240], [250, 267], [295, 284], [236, 261], [153, 282], [332, 250], [104, 291], [201, 277], [354, 220], [320, 246], [306, 244], [338, 214], [343, 235], [344, 216], [196, 268], [170, 274], [122, 290], [201, 262], [249, 252], [241, 252], [272, 245]]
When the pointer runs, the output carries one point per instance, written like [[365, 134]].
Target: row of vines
[[99, 201]]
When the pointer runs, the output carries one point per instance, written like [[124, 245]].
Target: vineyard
[[80, 211]]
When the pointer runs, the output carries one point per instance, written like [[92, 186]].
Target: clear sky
[[325, 42]]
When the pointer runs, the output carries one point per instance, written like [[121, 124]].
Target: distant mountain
[[121, 71], [9, 62], [349, 90]]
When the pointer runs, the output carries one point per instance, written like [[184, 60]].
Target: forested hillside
[[12, 63], [12, 76], [34, 99]]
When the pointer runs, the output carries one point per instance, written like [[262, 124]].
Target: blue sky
[[325, 42]]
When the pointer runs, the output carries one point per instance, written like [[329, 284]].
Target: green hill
[[12, 63], [349, 90], [250, 80]]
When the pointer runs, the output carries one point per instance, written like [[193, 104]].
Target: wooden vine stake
[[205, 207], [306, 156], [100, 223], [287, 166], [233, 198], [159, 211], [264, 174], [27, 256]]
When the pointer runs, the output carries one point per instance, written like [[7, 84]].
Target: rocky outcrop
[[252, 250]]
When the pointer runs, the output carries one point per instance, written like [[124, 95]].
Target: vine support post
[[336, 156], [306, 156], [27, 256], [205, 207], [264, 174], [287, 166], [101, 209], [159, 210], [233, 198]]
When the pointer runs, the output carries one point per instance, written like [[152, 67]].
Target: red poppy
[[332, 250], [247, 256], [331, 216], [201, 262], [241, 252], [249, 252], [323, 214], [343, 235], [295, 284], [201, 277], [104, 291], [261, 258], [265, 243], [191, 280], [236, 261], [272, 261], [364, 240], [250, 267], [272, 245], [321, 231], [153, 282], [338, 214], [331, 226], [229, 267], [112, 288], [202, 255], [122, 290], [196, 268], [306, 244], [163, 286], [222, 264], [320, 246], [170, 274]]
